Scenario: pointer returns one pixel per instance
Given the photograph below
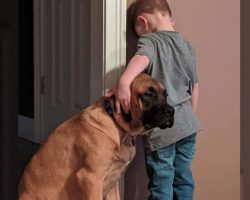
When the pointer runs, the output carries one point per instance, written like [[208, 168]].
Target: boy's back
[[172, 61]]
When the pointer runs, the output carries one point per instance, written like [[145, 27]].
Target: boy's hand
[[122, 91], [123, 97], [122, 94], [195, 97]]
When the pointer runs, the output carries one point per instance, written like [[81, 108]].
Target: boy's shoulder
[[148, 36], [159, 35], [162, 35], [166, 38]]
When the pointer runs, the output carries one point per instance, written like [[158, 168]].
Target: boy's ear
[[142, 19]]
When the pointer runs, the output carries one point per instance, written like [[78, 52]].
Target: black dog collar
[[110, 110]]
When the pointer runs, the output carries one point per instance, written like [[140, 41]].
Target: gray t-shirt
[[172, 62]]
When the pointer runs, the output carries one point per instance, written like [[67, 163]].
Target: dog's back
[[50, 170]]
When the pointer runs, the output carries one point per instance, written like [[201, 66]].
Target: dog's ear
[[108, 105], [126, 117]]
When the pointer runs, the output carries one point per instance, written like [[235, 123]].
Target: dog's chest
[[122, 158]]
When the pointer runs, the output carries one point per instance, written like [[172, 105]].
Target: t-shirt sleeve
[[145, 47]]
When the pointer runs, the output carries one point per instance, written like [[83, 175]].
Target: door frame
[[108, 43]]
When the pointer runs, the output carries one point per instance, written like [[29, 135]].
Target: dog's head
[[149, 105]]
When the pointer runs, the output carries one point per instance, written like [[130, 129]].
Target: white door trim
[[114, 48], [108, 44], [115, 41]]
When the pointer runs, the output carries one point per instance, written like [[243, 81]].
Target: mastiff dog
[[84, 158]]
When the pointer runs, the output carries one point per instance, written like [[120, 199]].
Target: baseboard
[[26, 127]]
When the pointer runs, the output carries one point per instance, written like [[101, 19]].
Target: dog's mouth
[[162, 117], [168, 124]]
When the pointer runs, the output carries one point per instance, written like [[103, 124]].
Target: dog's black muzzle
[[161, 116]]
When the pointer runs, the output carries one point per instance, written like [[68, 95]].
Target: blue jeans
[[168, 169]]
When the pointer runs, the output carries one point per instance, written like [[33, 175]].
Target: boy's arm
[[135, 66], [195, 97]]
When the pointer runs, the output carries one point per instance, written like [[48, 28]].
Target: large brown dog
[[84, 158]]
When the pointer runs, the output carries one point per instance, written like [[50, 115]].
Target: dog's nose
[[168, 109], [171, 110]]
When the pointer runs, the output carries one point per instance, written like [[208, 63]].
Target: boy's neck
[[162, 23], [164, 27]]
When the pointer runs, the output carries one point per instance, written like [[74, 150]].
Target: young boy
[[167, 56]]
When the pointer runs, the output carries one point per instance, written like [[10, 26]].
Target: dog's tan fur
[[84, 158]]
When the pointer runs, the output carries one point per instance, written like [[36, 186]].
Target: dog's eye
[[149, 94]]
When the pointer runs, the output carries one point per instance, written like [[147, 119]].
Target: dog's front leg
[[114, 193], [90, 185]]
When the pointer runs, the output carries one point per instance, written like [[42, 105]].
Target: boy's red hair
[[149, 6]]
